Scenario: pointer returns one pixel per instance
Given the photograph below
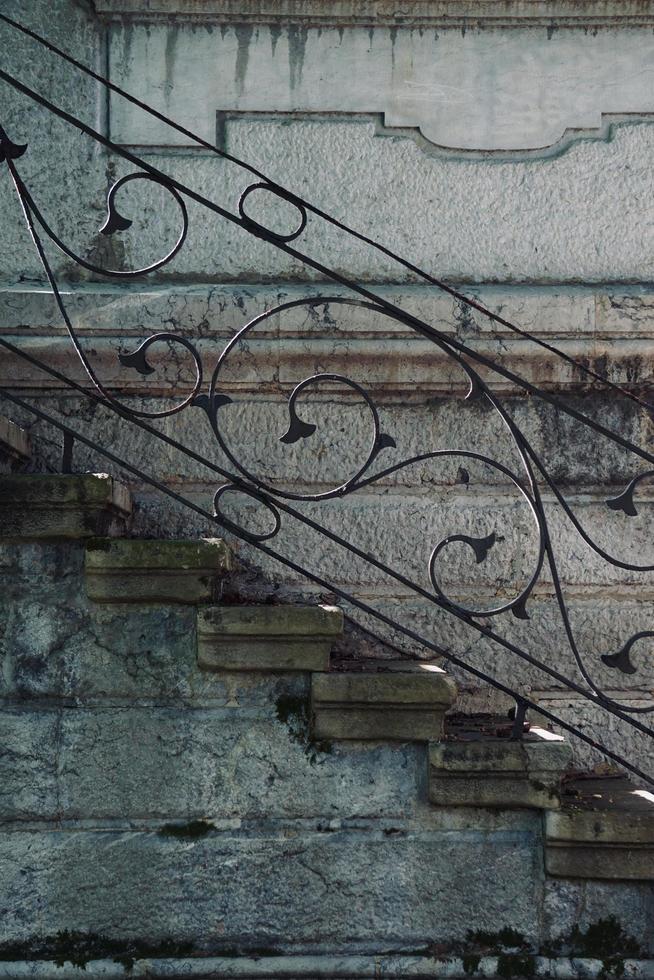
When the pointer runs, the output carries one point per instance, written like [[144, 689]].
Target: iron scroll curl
[[299, 428]]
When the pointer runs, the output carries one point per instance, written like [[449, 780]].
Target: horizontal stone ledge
[[613, 327], [60, 507], [409, 364], [405, 703], [559, 311], [129, 310], [268, 638], [15, 445], [373, 13], [325, 967], [499, 772], [135, 570]]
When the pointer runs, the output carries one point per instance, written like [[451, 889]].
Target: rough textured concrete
[[69, 187], [270, 638], [155, 571], [461, 219], [111, 732], [128, 772], [345, 889], [583, 903]]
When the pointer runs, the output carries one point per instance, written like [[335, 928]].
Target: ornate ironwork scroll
[[529, 480]]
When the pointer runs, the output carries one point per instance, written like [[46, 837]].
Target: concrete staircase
[[191, 789]]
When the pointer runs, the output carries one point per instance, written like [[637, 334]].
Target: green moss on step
[[187, 831], [471, 963], [295, 713], [79, 948], [506, 938]]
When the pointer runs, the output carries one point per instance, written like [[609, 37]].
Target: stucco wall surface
[[558, 241], [145, 800]]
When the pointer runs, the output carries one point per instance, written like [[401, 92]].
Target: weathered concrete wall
[[147, 805], [578, 216], [399, 520], [553, 230], [67, 174]]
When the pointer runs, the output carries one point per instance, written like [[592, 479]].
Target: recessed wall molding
[[519, 89]]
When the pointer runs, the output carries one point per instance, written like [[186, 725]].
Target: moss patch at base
[[295, 713]]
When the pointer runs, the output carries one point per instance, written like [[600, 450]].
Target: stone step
[[163, 571], [401, 701], [605, 830], [62, 507], [475, 768], [267, 638], [15, 446]]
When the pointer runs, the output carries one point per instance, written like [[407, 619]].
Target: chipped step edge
[[59, 507], [267, 638], [158, 570]]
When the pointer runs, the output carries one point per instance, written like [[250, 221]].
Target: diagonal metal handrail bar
[[286, 508], [303, 202], [212, 399], [323, 583], [448, 344]]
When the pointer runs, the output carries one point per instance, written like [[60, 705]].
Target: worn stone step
[[136, 570], [484, 770], [605, 830], [15, 446], [405, 702], [270, 638], [62, 507]]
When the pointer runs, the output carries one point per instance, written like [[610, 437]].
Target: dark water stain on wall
[[275, 34], [243, 37], [169, 57], [297, 43]]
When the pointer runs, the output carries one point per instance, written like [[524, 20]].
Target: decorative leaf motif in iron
[[297, 429], [115, 221], [137, 360], [385, 442], [10, 150], [519, 608], [480, 546], [622, 659], [211, 403], [625, 501]]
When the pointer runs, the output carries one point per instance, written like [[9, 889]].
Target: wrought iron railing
[[208, 396]]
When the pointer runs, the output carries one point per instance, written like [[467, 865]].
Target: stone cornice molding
[[408, 13]]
